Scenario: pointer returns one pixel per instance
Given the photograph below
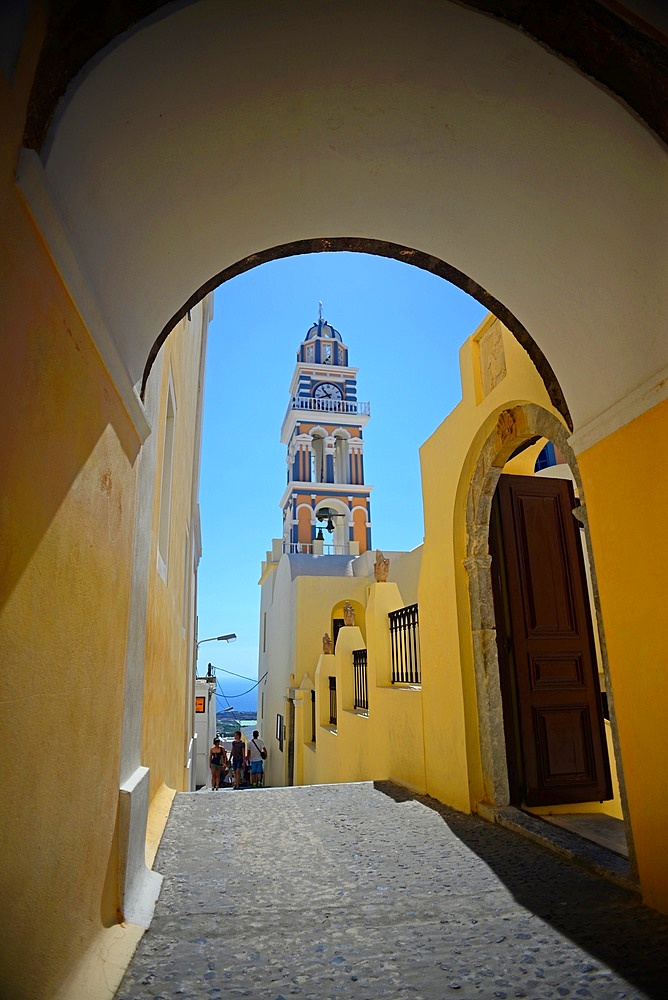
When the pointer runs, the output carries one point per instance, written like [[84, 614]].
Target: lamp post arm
[[217, 638]]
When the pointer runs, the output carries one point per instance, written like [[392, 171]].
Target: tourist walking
[[237, 758], [257, 753], [217, 763]]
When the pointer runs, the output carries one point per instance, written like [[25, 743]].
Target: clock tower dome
[[326, 506]]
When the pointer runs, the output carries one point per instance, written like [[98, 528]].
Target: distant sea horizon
[[248, 711]]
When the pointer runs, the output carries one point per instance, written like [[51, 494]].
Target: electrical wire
[[223, 670], [221, 694]]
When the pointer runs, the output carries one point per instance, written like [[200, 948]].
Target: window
[[546, 458], [405, 645], [337, 625], [313, 726], [332, 701], [361, 687]]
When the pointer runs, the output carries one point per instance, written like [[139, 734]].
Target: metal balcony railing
[[361, 686], [306, 548], [330, 405], [405, 644]]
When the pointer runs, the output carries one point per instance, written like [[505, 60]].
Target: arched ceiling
[[621, 45], [214, 132]]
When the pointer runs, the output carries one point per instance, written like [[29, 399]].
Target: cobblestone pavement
[[340, 891]]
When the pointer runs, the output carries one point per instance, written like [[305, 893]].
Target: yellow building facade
[[447, 730], [96, 625]]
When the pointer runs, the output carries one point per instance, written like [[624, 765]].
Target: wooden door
[[551, 695]]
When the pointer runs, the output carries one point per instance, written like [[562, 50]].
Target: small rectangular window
[[332, 701], [313, 717]]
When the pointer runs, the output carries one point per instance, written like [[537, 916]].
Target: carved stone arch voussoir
[[513, 427]]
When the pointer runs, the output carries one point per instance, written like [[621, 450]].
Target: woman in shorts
[[217, 763]]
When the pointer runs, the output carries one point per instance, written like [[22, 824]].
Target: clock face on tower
[[327, 390]]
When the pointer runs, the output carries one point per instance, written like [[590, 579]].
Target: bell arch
[[340, 521], [342, 455], [318, 455]]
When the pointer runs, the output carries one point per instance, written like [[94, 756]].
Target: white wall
[[205, 731]]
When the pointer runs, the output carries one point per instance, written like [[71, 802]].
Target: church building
[[316, 579], [360, 652]]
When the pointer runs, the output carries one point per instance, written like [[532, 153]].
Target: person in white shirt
[[257, 753]]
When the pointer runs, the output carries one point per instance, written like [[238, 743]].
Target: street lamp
[[218, 638], [230, 637]]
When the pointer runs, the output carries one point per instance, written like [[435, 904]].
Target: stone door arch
[[514, 426]]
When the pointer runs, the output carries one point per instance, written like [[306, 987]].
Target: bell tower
[[326, 506]]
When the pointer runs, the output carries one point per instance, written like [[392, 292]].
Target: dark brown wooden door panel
[[544, 570], [564, 746], [549, 673], [561, 729]]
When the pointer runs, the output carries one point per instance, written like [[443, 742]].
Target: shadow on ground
[[608, 922]]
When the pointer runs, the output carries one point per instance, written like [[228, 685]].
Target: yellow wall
[[455, 732], [626, 482], [448, 459], [167, 681], [385, 742], [67, 454]]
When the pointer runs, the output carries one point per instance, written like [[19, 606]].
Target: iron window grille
[[405, 644], [332, 701], [313, 717], [361, 686]]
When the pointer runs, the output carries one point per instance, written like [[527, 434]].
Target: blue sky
[[403, 328]]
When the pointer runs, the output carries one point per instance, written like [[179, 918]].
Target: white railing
[[330, 405], [317, 549]]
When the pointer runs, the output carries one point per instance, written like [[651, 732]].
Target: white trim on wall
[[647, 395]]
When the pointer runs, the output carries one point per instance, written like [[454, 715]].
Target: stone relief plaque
[[492, 358]]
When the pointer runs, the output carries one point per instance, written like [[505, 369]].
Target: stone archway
[[378, 248], [514, 426]]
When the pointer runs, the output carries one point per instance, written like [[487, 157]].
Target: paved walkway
[[340, 891]]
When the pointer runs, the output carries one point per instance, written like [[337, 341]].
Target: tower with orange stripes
[[326, 504]]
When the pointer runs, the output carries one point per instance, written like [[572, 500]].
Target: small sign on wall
[[200, 704]]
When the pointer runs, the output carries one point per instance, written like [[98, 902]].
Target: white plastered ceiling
[[247, 126]]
